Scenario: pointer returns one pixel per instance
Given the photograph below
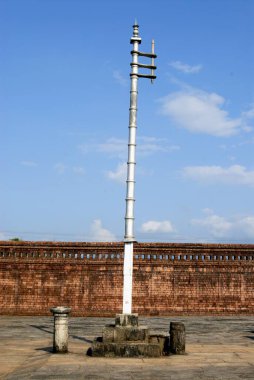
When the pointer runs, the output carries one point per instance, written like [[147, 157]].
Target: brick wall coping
[[143, 252], [119, 244]]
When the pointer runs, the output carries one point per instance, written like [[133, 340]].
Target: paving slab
[[220, 348]]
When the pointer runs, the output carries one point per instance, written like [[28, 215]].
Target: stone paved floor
[[217, 348]]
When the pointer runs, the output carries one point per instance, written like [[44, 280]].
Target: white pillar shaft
[[127, 275], [130, 192]]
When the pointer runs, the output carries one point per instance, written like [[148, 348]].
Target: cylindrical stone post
[[60, 336], [177, 338]]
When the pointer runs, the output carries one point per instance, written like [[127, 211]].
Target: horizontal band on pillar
[[130, 239], [141, 65], [142, 54], [135, 39], [144, 76]]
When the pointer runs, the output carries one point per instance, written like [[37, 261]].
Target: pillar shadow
[[42, 328], [45, 349], [250, 336], [81, 338]]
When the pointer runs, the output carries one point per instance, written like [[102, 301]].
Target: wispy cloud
[[78, 170], [241, 227], [218, 226], [116, 147], [119, 78], [113, 146], [30, 164], [3, 236], [247, 118], [150, 145], [185, 68], [249, 113], [61, 169], [155, 226], [99, 233], [200, 112], [233, 175], [119, 175]]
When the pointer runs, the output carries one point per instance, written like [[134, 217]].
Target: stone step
[[126, 349], [118, 334], [157, 337], [126, 320]]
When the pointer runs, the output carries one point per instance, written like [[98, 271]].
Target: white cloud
[[78, 170], [185, 68], [113, 146], [246, 225], [231, 228], [98, 233], [119, 175], [247, 117], [60, 168], [30, 164], [149, 145], [200, 112], [249, 114], [116, 147], [235, 174], [120, 79], [216, 225], [2, 236], [152, 226]]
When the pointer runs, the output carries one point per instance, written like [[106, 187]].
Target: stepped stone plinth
[[127, 339]]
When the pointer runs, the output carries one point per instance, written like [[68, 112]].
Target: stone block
[[127, 350], [140, 333], [119, 334], [131, 333], [108, 333], [126, 320], [177, 338], [162, 340]]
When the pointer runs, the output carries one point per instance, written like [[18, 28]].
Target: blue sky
[[64, 120]]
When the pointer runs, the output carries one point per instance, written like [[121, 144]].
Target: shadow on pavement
[[42, 328], [45, 349], [81, 338]]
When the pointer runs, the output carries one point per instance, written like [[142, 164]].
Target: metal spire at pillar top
[[135, 36], [135, 51], [130, 199]]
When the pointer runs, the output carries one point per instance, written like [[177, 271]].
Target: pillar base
[[126, 338]]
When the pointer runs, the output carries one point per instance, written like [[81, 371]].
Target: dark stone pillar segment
[[177, 338]]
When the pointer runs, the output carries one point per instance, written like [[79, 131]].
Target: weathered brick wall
[[168, 278]]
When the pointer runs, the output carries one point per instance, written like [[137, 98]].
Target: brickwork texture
[[169, 278]]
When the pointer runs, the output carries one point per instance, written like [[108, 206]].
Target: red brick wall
[[168, 278]]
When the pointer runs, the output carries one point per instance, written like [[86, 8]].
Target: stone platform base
[[126, 350], [127, 339]]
